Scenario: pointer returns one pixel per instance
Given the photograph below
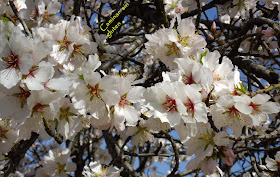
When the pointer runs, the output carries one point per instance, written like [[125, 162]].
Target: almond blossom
[[57, 163], [16, 97], [164, 103], [8, 135], [174, 7], [71, 42], [272, 164], [171, 44], [191, 98], [257, 107], [225, 75], [225, 113], [191, 72], [41, 11], [15, 60], [94, 93], [203, 142], [67, 117], [95, 169], [124, 110], [38, 75], [143, 132]]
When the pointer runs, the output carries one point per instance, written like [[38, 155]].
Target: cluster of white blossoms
[[52, 78], [180, 99]]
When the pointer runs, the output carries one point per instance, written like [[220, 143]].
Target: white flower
[[103, 156], [272, 164], [186, 131], [124, 110], [8, 135], [191, 72], [203, 142], [13, 103], [168, 44], [15, 60], [257, 107], [143, 132], [242, 7], [38, 75], [95, 169], [225, 19], [47, 11], [191, 98], [188, 39], [39, 103], [69, 123], [57, 163], [163, 102], [225, 113], [192, 4], [174, 7], [93, 94], [71, 42], [225, 76], [20, 4]]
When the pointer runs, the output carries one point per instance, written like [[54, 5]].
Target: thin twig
[[19, 18]]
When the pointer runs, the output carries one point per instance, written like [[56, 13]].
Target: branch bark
[[18, 152]]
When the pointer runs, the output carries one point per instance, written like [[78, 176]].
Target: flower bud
[[227, 155], [208, 166]]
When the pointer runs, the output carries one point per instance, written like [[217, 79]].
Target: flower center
[[3, 133], [190, 107], [38, 108], [95, 91], [23, 95], [64, 44], [77, 49], [255, 107], [188, 80], [184, 40], [173, 49], [61, 167], [31, 72], [124, 101], [11, 61], [207, 139], [232, 112], [170, 104], [65, 113], [46, 15]]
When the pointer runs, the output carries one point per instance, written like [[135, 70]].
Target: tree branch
[[18, 152]]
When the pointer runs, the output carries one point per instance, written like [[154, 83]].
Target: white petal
[[71, 167], [63, 83], [110, 97], [244, 108], [45, 71], [270, 107], [41, 7], [174, 118], [261, 98], [33, 84], [186, 27], [10, 107], [93, 62], [9, 77], [131, 115], [25, 63], [53, 7]]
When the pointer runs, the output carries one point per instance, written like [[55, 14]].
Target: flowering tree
[[111, 88]]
